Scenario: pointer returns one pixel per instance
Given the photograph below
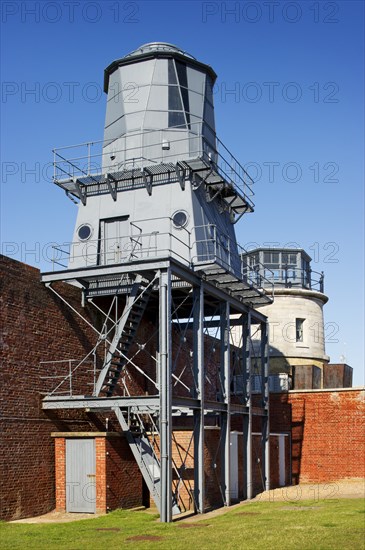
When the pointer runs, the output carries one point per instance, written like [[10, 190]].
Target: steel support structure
[[247, 419], [210, 307], [165, 394], [199, 379], [225, 372], [265, 434]]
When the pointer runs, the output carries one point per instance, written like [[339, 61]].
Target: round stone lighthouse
[[297, 339]]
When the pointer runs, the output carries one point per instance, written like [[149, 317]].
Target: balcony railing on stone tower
[[288, 277]]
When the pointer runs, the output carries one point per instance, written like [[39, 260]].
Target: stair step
[[126, 340], [112, 381], [115, 377], [125, 344], [135, 317], [116, 371], [129, 331], [135, 314], [140, 307]]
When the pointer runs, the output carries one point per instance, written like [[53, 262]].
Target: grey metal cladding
[[196, 104], [196, 80], [158, 98], [153, 51], [160, 73]]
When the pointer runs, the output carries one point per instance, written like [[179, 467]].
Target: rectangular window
[[171, 72], [176, 119], [289, 259], [174, 99], [271, 259], [299, 329]]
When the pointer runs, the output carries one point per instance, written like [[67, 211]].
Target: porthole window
[[180, 219], [84, 232]]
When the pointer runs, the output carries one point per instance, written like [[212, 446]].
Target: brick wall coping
[[328, 390], [86, 434]]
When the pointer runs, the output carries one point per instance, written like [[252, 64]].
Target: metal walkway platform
[[199, 170], [233, 285]]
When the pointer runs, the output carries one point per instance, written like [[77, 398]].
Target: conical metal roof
[[153, 47]]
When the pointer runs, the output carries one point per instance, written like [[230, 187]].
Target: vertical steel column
[[247, 419], [199, 376], [165, 395], [225, 367], [265, 436]]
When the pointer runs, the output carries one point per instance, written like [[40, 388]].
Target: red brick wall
[[183, 453], [100, 472], [36, 326], [212, 468], [327, 431], [60, 473], [123, 478]]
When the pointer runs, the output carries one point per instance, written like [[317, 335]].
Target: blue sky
[[288, 104]]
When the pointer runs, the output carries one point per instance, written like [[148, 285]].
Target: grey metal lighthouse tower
[[154, 241], [159, 130]]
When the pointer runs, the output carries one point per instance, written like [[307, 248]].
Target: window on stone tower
[[299, 329]]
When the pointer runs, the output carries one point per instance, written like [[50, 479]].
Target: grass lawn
[[323, 524]]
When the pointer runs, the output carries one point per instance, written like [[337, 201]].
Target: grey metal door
[[115, 243], [80, 475]]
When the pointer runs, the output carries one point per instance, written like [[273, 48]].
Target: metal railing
[[204, 244], [91, 160], [289, 277], [217, 247], [66, 382], [134, 248]]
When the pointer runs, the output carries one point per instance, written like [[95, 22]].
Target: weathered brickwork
[[60, 473], [123, 478], [36, 327], [327, 432]]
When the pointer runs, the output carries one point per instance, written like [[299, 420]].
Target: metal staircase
[[124, 335], [142, 433], [144, 449]]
